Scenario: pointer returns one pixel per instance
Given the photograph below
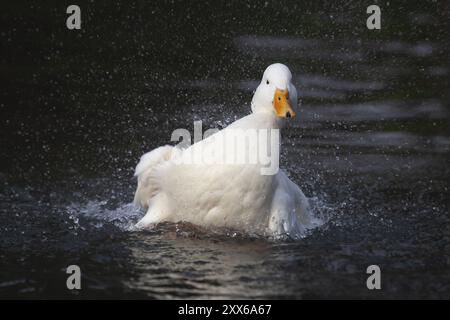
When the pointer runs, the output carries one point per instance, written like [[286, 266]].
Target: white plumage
[[172, 188]]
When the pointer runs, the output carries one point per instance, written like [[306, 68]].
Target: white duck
[[236, 196]]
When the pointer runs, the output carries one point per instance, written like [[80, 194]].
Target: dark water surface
[[371, 148]]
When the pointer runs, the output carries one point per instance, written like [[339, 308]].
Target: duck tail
[[148, 185]]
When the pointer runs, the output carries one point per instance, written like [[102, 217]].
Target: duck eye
[[267, 82]]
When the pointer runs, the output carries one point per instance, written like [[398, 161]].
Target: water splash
[[124, 217]]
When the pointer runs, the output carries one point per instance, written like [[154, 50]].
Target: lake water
[[370, 149]]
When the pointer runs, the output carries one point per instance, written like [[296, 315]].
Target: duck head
[[276, 94]]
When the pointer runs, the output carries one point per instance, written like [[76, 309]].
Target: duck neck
[[271, 120]]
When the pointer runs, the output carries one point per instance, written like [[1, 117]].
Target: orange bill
[[282, 104]]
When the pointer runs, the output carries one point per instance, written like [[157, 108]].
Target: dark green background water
[[371, 147]]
